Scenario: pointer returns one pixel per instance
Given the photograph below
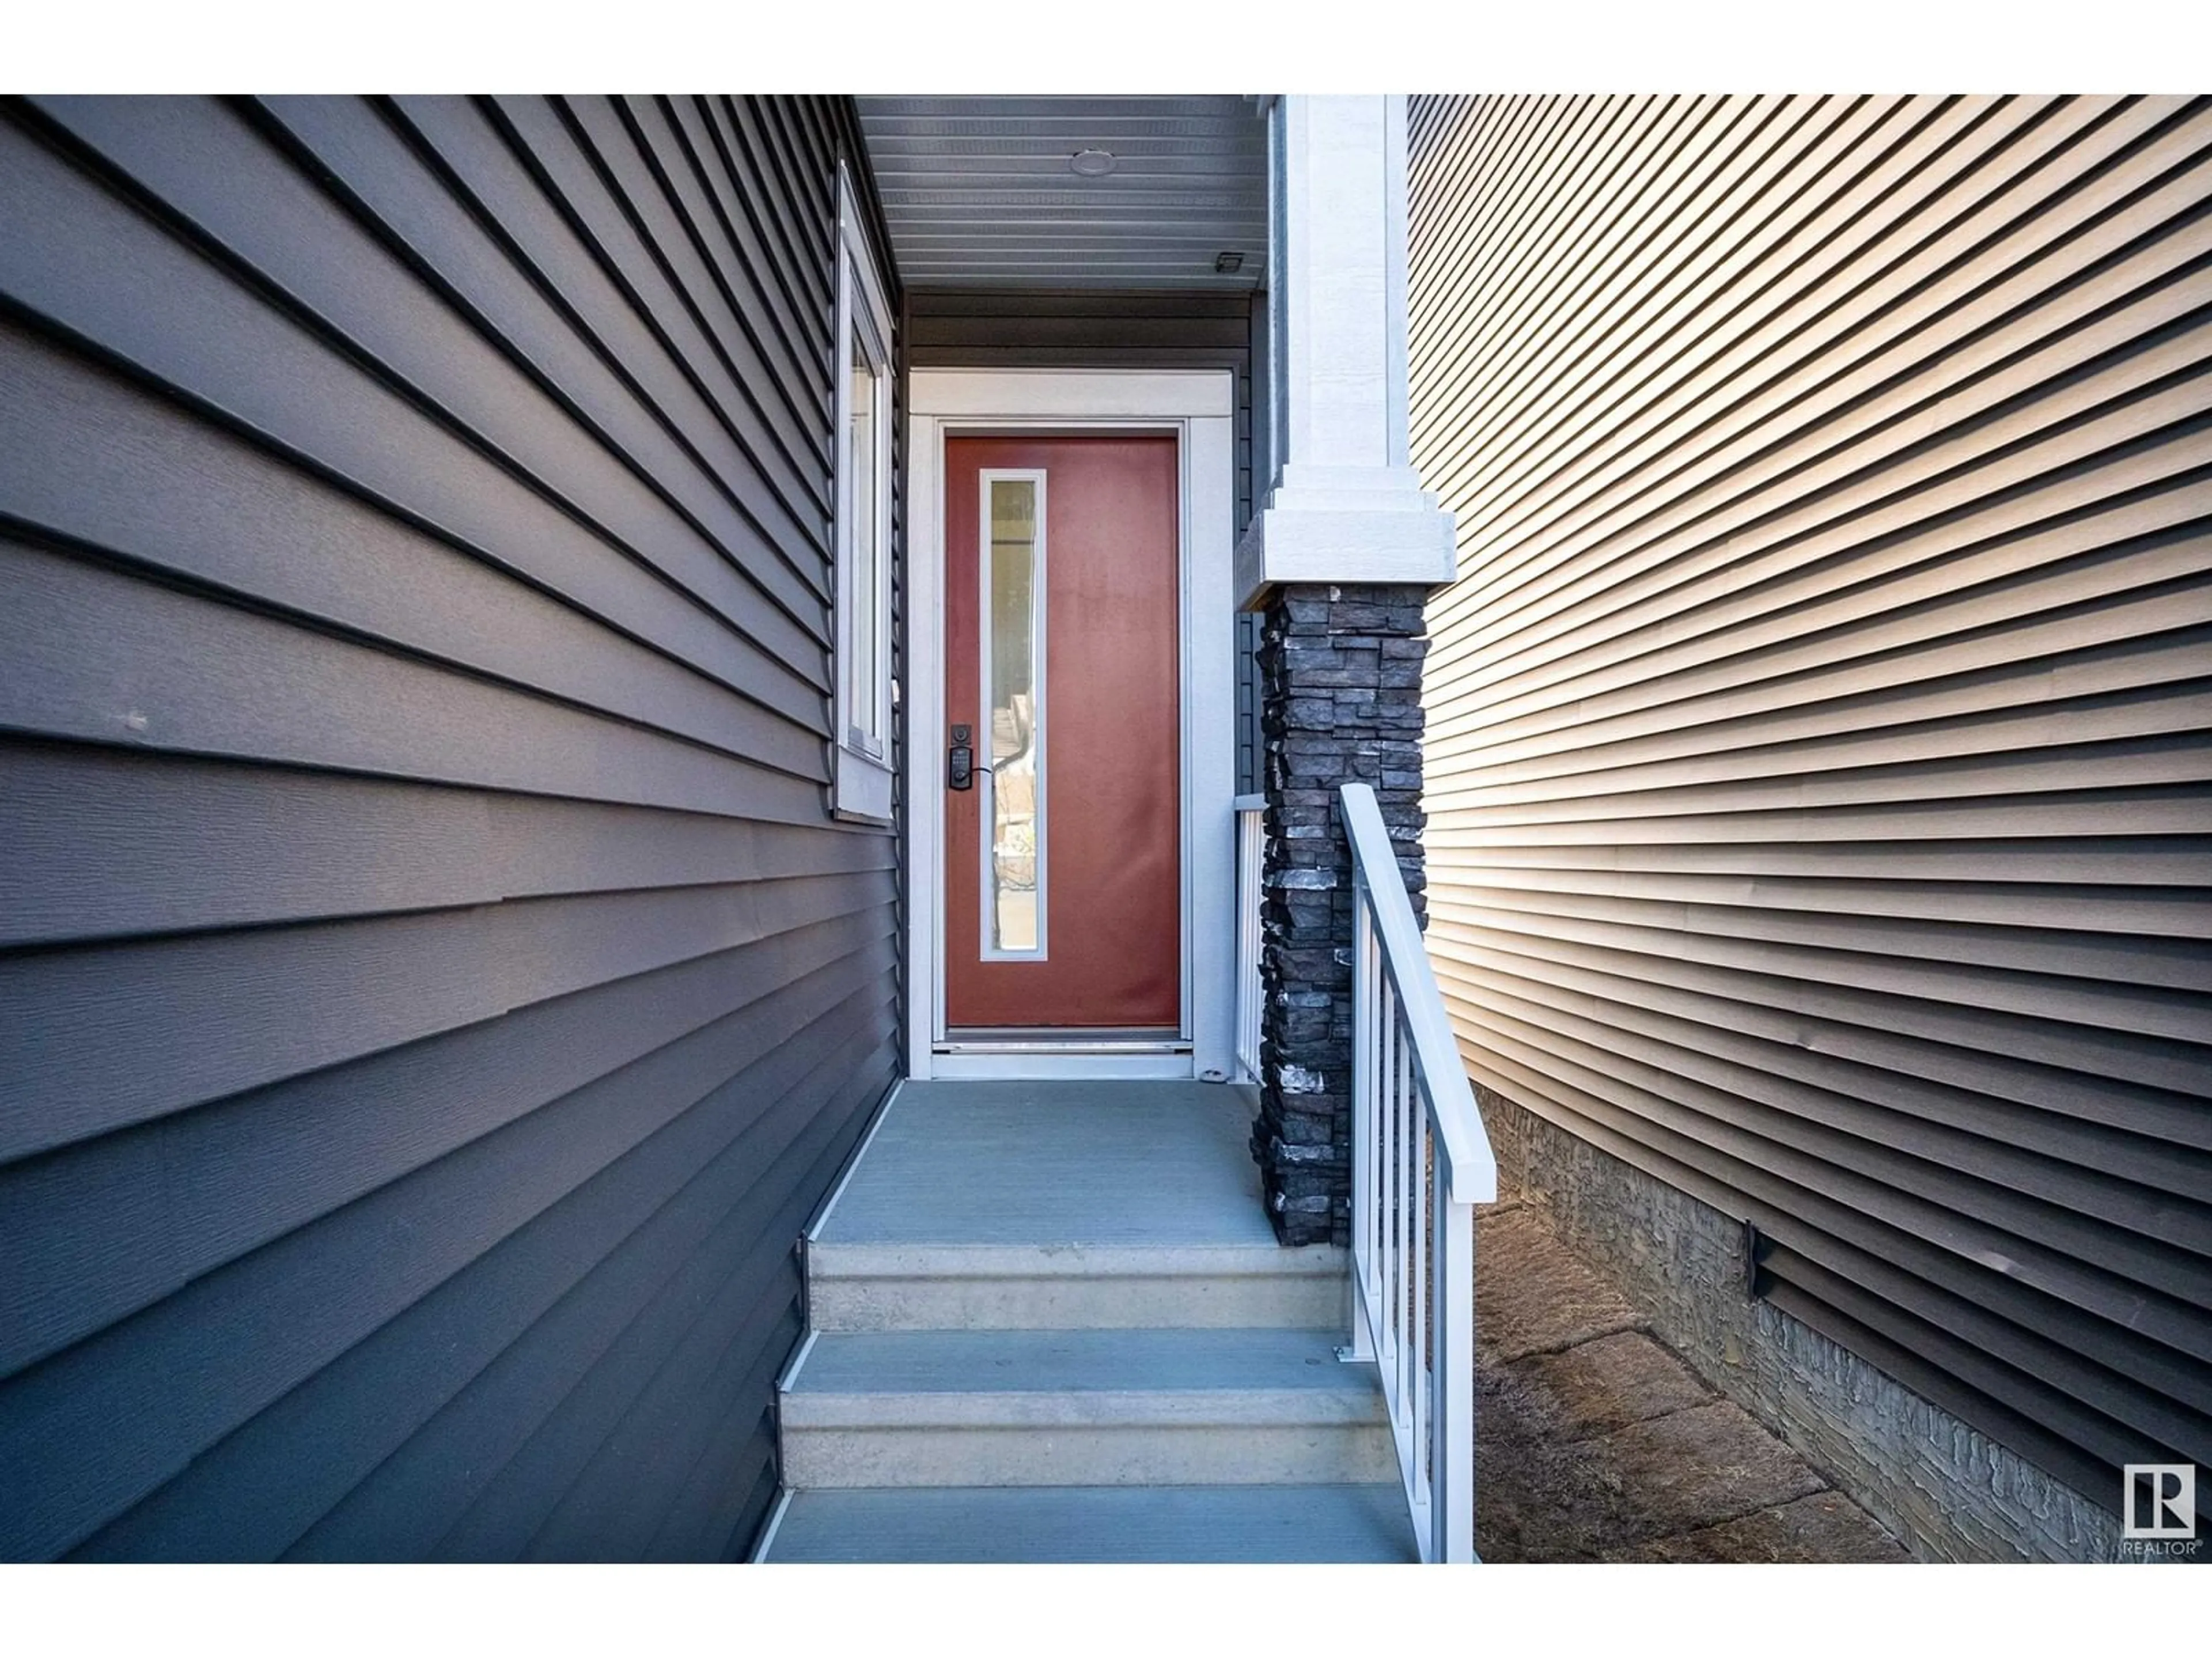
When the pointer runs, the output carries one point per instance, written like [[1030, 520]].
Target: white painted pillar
[[1344, 504]]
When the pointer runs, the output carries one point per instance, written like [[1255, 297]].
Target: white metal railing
[[1251, 848], [1420, 1161]]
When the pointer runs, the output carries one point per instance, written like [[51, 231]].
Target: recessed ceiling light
[[1091, 163], [1228, 263]]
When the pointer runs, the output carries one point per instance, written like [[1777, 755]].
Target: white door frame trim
[[1199, 406]]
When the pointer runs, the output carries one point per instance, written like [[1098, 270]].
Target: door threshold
[[1163, 1036], [1047, 1062], [1038, 1042]]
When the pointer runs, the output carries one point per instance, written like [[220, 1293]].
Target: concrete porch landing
[[1050, 1322], [1056, 1164], [1063, 1206]]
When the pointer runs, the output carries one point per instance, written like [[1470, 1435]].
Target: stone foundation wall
[[1947, 1490], [1340, 690]]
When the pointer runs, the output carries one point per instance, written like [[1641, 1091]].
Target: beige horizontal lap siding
[[1819, 781]]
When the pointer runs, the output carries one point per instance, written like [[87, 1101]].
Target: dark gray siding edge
[[433, 991]]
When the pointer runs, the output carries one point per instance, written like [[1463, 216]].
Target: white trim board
[[1199, 407], [783, 1496], [1042, 395], [852, 1163]]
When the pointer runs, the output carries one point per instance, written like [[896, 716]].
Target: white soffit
[[979, 190]]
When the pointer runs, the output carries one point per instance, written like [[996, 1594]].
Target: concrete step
[[1081, 1409], [1363, 1523], [1029, 1286]]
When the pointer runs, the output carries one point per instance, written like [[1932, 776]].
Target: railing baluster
[[1419, 1300], [1386, 1128], [1363, 1121], [1371, 1102], [1409, 1239]]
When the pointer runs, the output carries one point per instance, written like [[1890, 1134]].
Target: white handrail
[[1251, 847], [1415, 1178]]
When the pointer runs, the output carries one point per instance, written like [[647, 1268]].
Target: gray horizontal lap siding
[[432, 992], [1816, 760]]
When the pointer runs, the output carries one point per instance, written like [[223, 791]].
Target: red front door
[[1063, 875]]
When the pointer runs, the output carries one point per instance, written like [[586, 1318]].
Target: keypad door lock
[[960, 764]]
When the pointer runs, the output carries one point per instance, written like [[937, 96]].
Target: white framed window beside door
[[861, 716]]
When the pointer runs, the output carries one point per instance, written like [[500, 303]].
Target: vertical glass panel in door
[[1013, 716]]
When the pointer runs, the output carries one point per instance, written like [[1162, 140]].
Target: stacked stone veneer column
[[1341, 683]]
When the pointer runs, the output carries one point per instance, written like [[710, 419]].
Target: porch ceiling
[[979, 190]]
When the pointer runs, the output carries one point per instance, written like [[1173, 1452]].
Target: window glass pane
[[864, 683], [1013, 922], [862, 484]]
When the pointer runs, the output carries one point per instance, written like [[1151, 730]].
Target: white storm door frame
[[1199, 407]]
